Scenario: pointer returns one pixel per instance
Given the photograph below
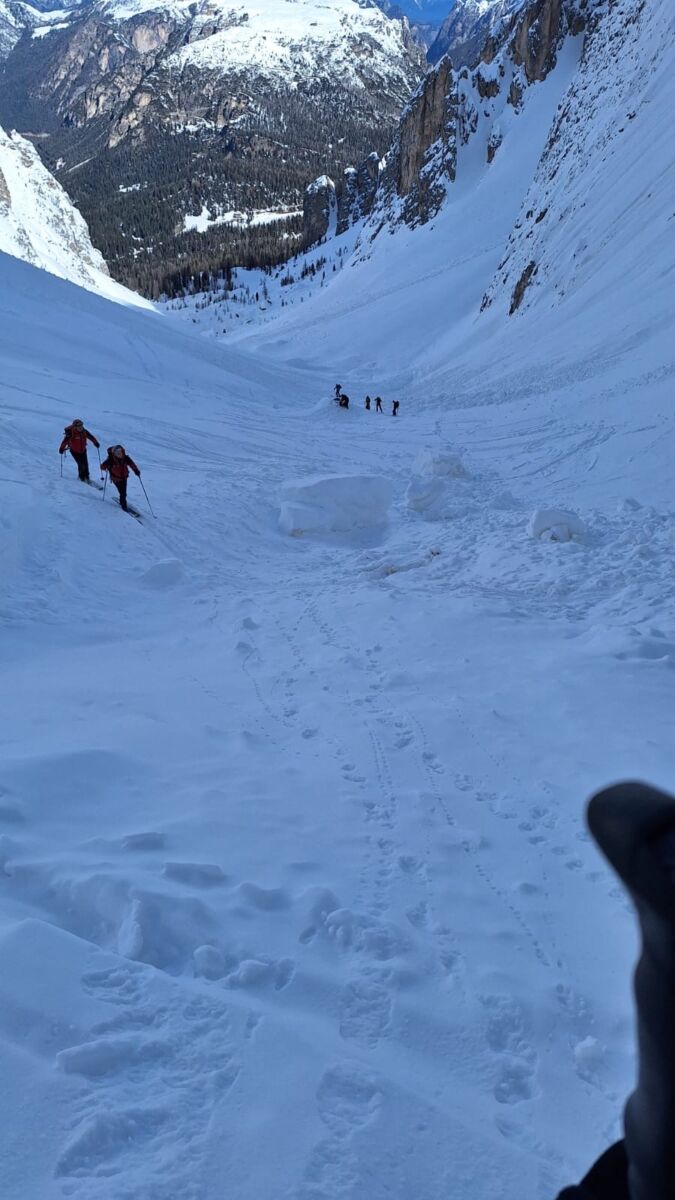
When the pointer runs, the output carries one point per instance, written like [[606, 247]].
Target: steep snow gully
[[296, 896]]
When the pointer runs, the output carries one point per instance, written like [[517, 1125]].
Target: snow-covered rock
[[556, 525], [39, 224]]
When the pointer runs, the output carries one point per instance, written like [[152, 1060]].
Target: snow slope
[[296, 898], [39, 223]]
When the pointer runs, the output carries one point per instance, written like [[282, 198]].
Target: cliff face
[[451, 107], [610, 97], [318, 210]]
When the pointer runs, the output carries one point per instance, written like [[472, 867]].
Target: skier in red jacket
[[75, 439], [117, 465]]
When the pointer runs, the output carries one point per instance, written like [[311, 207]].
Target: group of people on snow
[[117, 462], [343, 400]]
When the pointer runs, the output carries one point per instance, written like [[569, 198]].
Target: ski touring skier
[[338, 389], [367, 403], [344, 401], [117, 464], [75, 438], [378, 404], [395, 407]]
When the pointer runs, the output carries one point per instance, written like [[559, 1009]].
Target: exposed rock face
[[623, 40], [451, 106], [521, 287], [359, 188], [448, 110], [423, 123], [319, 205]]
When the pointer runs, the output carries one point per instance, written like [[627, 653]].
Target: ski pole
[[61, 457], [105, 484], [146, 495]]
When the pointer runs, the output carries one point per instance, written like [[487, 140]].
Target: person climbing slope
[[367, 403], [75, 439], [117, 465], [378, 404]]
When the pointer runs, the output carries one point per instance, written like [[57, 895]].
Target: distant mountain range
[[154, 112]]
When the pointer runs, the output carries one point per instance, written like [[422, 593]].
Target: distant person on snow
[[367, 403], [378, 404], [344, 401], [338, 389], [117, 465], [395, 407], [75, 439]]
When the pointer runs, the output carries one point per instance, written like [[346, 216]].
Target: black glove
[[634, 826]]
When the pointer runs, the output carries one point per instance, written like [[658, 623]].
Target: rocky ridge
[[623, 49], [39, 224], [453, 107]]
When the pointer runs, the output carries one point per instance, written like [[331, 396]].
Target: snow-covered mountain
[[139, 96], [18, 17], [467, 27], [39, 224], [426, 14]]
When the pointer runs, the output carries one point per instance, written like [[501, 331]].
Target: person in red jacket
[[117, 465], [75, 439]]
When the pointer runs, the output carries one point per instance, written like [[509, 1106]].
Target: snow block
[[425, 494], [556, 525], [163, 574], [444, 464], [334, 504]]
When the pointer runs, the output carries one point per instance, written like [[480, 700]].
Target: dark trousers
[[121, 485], [82, 464]]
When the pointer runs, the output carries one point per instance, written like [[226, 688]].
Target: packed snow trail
[[296, 894]]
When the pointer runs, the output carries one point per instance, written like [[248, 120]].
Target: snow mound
[[445, 464], [335, 504], [432, 489], [556, 525], [163, 574]]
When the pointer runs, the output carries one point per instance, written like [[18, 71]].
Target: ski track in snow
[[297, 899], [430, 809]]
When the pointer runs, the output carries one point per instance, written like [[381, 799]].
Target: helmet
[[118, 451], [77, 421]]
